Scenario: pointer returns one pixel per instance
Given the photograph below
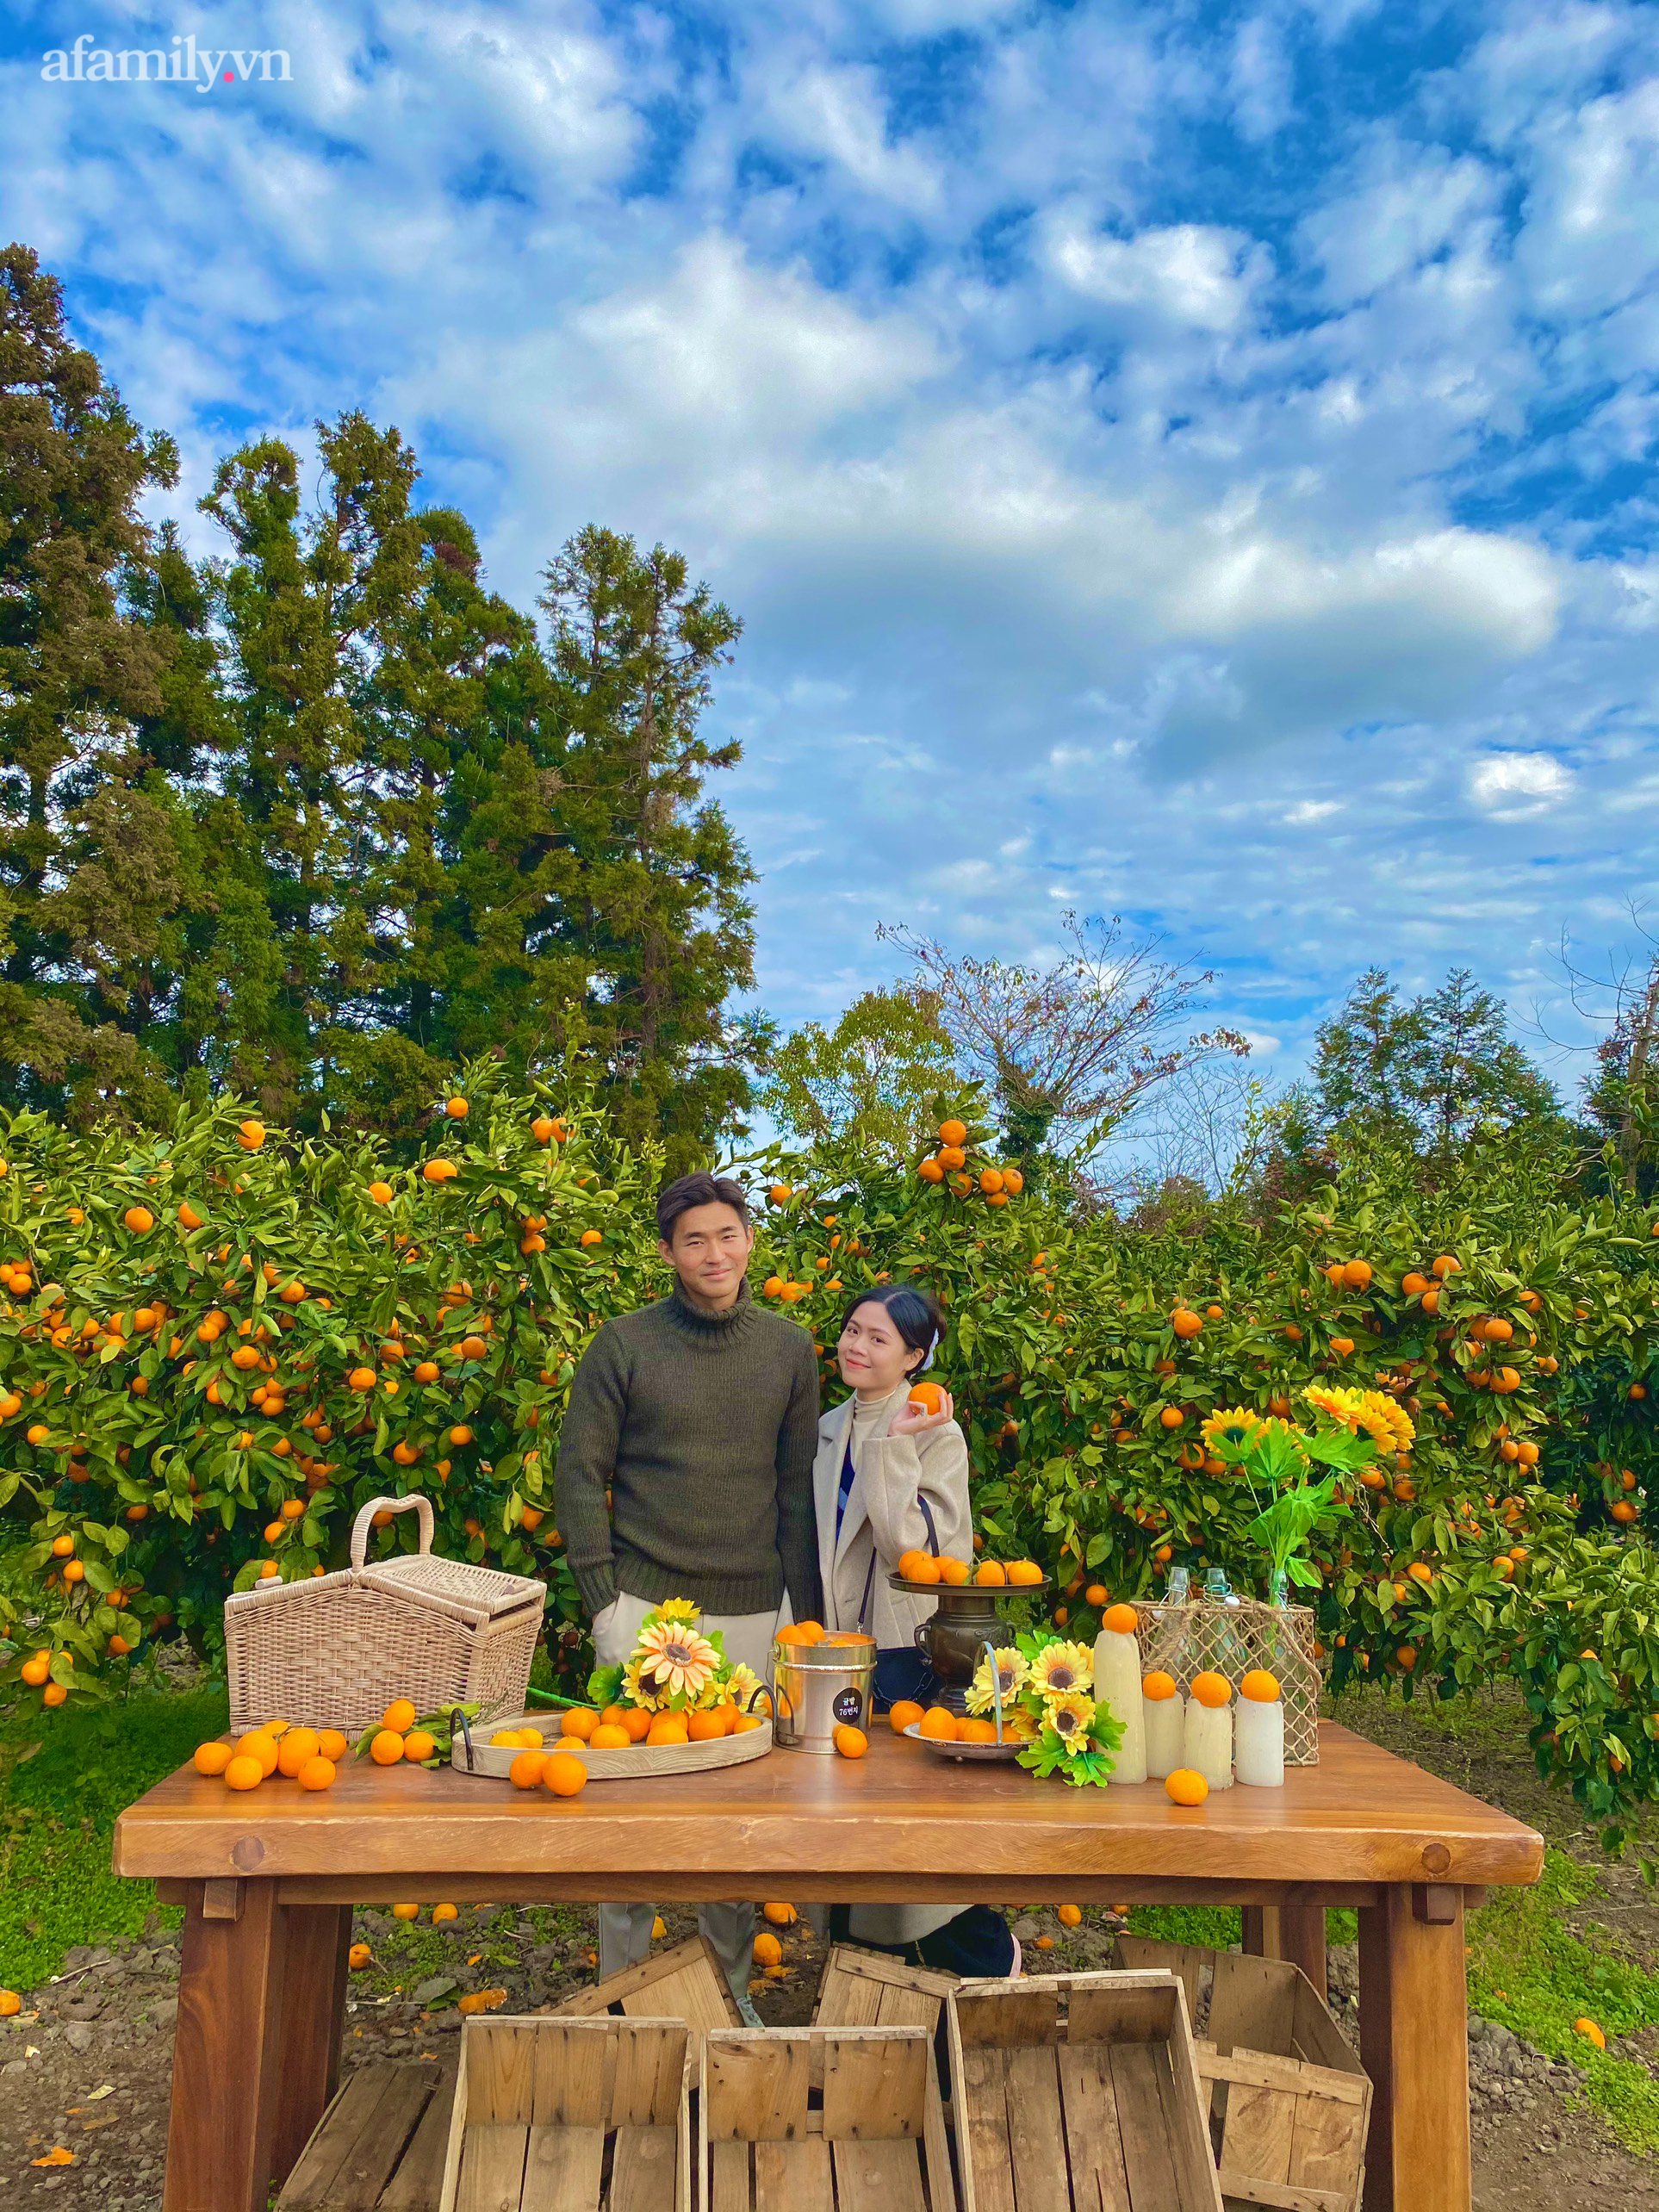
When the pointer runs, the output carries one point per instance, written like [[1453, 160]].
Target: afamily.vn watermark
[[187, 64]]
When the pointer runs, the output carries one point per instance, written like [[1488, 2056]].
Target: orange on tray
[[1023, 1574], [939, 1722], [713, 1722], [991, 1574], [905, 1713], [608, 1737], [918, 1567], [637, 1723], [580, 1722], [975, 1732]]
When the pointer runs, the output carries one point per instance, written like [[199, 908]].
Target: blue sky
[[1190, 462]]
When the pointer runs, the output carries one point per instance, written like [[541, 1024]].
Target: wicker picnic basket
[[1190, 1639], [333, 1652]]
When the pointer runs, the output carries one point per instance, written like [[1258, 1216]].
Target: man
[[700, 1415]]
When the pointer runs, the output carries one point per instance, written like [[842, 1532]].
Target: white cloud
[[1188, 273], [1313, 810], [1511, 785]]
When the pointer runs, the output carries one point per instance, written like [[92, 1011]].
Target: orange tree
[[216, 1344]]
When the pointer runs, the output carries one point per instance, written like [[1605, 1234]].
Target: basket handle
[[364, 1521]]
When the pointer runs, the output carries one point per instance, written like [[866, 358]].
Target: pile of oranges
[[941, 1726], [931, 1567], [309, 1756], [618, 1726], [398, 1737]]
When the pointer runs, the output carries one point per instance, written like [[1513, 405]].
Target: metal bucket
[[818, 1687]]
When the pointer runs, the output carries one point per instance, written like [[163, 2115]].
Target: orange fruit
[[526, 1770], [243, 1772], [387, 1748], [905, 1714], [668, 1728], [1122, 1620], [1186, 1785], [908, 1563], [258, 1745], [317, 1773], [398, 1715], [359, 1957], [1591, 2032], [139, 1219], [1357, 1275], [780, 1916], [606, 1737], [1259, 1687], [939, 1723], [614, 1715], [954, 1572], [580, 1721], [1158, 1685], [332, 1744], [1071, 1916], [564, 1774], [929, 1395], [1212, 1690], [298, 1744], [989, 1574], [211, 1758], [809, 1631], [442, 1913], [1185, 1322], [975, 1732], [406, 1912], [419, 1745], [744, 1722], [1022, 1573], [768, 1951], [636, 1724], [851, 1743], [707, 1726], [55, 1694]]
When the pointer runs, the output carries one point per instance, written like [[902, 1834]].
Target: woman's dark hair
[[699, 1189], [913, 1312]]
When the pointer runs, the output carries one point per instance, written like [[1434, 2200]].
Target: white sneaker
[[1018, 1966]]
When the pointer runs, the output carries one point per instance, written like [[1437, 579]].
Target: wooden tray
[[874, 2137], [495, 1761]]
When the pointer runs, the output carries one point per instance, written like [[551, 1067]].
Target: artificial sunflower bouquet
[[1046, 1686], [674, 1668], [1353, 1428]]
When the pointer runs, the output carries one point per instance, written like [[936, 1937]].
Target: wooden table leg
[[1413, 2041], [226, 2050], [316, 1939], [1290, 1931]]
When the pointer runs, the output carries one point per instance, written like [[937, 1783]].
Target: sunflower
[[1337, 1404], [674, 1660], [678, 1609], [1059, 1668], [1230, 1428], [636, 1692], [739, 1686], [1387, 1423], [1069, 1716], [1011, 1673]]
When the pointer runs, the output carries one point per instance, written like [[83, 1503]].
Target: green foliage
[[872, 1082]]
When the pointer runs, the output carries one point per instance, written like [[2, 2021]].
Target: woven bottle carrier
[[1199, 1638], [334, 1651]]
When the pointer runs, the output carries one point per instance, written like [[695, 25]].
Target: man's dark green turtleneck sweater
[[704, 1427]]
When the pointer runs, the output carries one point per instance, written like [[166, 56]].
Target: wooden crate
[[1290, 2104], [821, 2120], [379, 2146], [686, 1982], [872, 1989], [569, 2116], [1078, 2091]]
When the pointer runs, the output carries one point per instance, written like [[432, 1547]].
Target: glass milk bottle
[[1260, 1731], [1164, 1723], [1208, 1739], [1117, 1682]]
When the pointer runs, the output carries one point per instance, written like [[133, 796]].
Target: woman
[[891, 1477]]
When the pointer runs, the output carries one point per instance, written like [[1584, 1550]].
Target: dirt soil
[[86, 2066]]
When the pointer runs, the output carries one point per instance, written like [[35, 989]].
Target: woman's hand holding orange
[[913, 1417]]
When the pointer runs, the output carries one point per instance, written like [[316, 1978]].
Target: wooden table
[[268, 1881]]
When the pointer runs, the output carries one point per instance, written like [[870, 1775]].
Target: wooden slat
[[1093, 2147], [307, 2188], [982, 2132], [1036, 2134], [643, 2171], [1252, 2006], [375, 2156], [500, 2062], [729, 2190], [1329, 2150], [650, 2073], [492, 2168], [847, 1998], [1242, 2189], [1148, 2161], [418, 2183], [877, 2176], [1262, 2070], [756, 2085], [1121, 2009], [794, 2177], [686, 1982], [562, 2166], [1190, 1963], [1007, 2013], [572, 2070], [875, 2085], [1316, 2037]]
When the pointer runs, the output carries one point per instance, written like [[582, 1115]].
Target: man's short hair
[[699, 1189]]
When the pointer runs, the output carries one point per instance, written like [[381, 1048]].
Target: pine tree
[[90, 858]]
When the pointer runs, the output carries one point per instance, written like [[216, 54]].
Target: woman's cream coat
[[884, 1518]]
